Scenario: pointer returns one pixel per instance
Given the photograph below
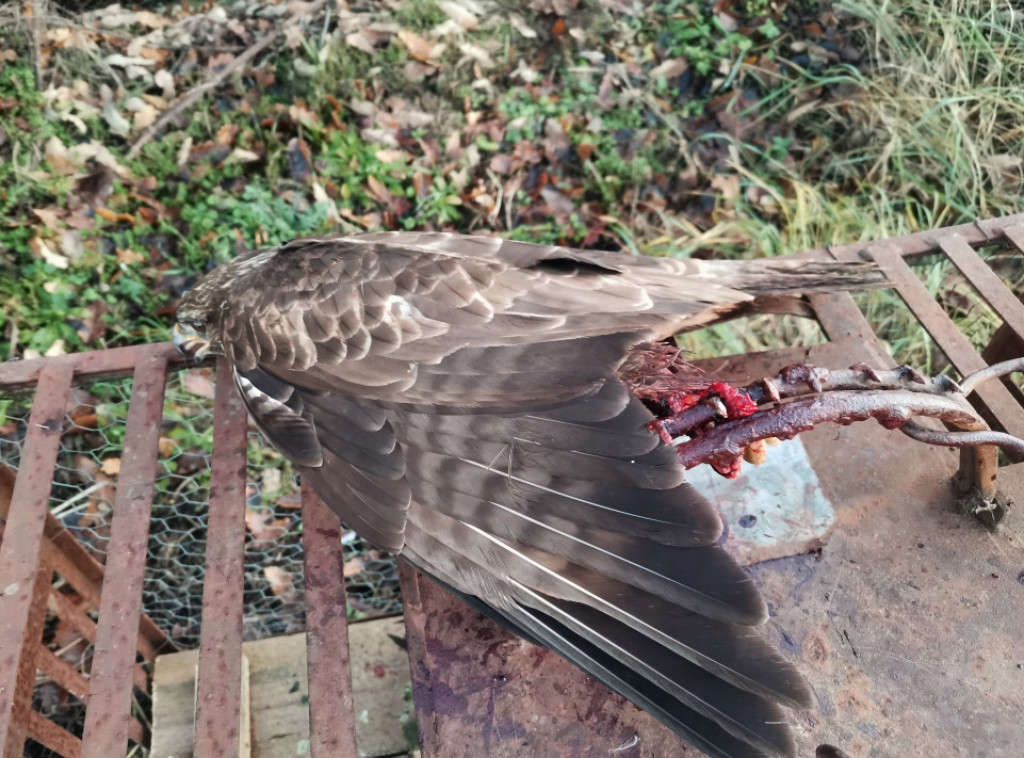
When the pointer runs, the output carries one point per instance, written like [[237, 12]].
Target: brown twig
[[33, 9], [213, 80]]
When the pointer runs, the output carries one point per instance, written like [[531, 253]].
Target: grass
[[922, 131]]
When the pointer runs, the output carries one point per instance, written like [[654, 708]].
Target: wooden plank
[[279, 694], [108, 716], [330, 693], [24, 581], [218, 699]]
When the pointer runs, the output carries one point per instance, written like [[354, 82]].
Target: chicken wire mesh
[[85, 481]]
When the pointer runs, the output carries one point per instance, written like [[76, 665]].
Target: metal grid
[[436, 625], [85, 479]]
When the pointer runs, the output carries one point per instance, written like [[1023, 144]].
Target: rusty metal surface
[[482, 691], [984, 280], [979, 232], [219, 683], [906, 625], [331, 715], [1007, 412], [109, 712], [48, 734], [117, 361], [24, 583]]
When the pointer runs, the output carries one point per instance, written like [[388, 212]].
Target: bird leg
[[716, 423]]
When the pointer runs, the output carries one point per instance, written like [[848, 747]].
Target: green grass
[[923, 131]]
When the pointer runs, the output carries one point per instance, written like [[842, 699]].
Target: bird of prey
[[458, 400]]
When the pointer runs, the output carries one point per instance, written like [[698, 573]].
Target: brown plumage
[[455, 399]]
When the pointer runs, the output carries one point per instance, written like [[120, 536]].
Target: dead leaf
[[50, 218], [414, 71], [801, 110], [114, 217], [291, 501], [728, 185], [118, 124], [8, 55], [93, 326], [262, 525], [57, 348], [111, 466], [129, 257], [458, 13], [378, 191], [280, 581], [670, 69], [370, 38], [165, 81], [419, 48], [199, 382], [144, 117], [40, 248]]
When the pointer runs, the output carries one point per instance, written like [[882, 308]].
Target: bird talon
[[772, 389], [869, 373], [948, 385], [715, 402], [911, 373]]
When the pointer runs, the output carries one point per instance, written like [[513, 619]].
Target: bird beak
[[190, 343]]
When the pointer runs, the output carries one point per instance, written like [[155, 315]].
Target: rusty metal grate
[[35, 545]]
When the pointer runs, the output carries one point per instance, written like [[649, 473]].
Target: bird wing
[[463, 409]]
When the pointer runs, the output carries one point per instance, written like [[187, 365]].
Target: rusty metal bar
[[951, 340], [332, 727], [48, 734], [78, 620], [24, 581], [219, 685], [85, 574], [110, 684], [1014, 233], [990, 286], [923, 243], [95, 365], [62, 672]]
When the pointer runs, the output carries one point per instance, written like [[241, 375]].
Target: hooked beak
[[190, 343]]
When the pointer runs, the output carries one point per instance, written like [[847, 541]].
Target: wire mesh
[[82, 496]]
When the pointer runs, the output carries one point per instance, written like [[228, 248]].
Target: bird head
[[192, 333], [198, 327]]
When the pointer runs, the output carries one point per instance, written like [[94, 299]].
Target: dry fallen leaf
[[280, 581], [144, 117], [39, 247], [263, 526], [198, 382], [419, 48], [111, 466], [129, 257], [50, 218], [459, 13], [726, 184]]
